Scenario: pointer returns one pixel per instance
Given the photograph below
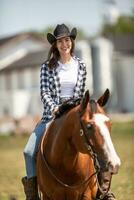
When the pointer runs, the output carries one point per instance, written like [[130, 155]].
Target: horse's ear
[[104, 98], [85, 100]]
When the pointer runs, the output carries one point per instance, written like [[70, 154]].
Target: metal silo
[[102, 49], [83, 51]]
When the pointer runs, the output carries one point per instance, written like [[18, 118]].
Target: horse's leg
[[45, 197], [87, 195]]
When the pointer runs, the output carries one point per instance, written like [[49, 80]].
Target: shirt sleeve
[[83, 80], [46, 96]]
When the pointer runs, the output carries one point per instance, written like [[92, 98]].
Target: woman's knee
[[34, 140], [27, 152]]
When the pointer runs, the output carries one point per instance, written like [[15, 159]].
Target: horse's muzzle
[[114, 167]]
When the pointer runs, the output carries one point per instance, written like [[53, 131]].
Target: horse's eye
[[89, 126]]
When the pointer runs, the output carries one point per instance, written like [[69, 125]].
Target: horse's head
[[95, 129]]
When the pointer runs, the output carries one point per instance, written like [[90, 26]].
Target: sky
[[25, 15]]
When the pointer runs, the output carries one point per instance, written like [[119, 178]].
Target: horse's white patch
[[112, 157]]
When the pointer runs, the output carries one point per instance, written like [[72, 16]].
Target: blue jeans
[[32, 147]]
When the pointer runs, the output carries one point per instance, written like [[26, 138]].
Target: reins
[[95, 160], [55, 177]]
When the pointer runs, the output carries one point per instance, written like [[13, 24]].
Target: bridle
[[85, 135], [88, 145]]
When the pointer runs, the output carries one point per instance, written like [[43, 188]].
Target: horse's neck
[[62, 150]]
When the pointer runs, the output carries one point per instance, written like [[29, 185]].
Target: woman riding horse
[[63, 77], [67, 155]]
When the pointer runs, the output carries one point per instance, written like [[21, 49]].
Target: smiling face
[[64, 46]]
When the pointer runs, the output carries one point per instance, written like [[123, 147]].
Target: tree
[[124, 25]]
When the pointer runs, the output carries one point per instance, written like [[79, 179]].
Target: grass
[[12, 163], [11, 167], [123, 182]]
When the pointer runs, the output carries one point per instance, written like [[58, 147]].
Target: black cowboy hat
[[61, 31]]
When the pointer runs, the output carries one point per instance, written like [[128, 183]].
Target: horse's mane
[[66, 106]]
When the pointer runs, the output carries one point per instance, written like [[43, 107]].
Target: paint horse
[[66, 161]]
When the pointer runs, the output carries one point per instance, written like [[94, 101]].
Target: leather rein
[[56, 178]]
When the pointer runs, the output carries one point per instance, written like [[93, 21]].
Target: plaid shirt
[[50, 87]]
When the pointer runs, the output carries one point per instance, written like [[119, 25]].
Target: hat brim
[[51, 38]]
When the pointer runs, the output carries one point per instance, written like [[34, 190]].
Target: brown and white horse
[[66, 161]]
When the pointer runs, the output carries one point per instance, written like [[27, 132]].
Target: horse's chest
[[70, 194]]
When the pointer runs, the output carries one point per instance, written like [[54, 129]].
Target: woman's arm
[[45, 92], [84, 79]]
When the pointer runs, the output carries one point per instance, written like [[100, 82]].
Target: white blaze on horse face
[[112, 157]]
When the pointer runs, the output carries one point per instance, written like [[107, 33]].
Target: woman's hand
[[55, 111]]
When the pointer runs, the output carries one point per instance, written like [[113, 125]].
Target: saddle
[[66, 106]]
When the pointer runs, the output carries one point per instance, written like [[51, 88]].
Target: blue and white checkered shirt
[[50, 87]]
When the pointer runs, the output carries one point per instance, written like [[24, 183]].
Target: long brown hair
[[53, 54]]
